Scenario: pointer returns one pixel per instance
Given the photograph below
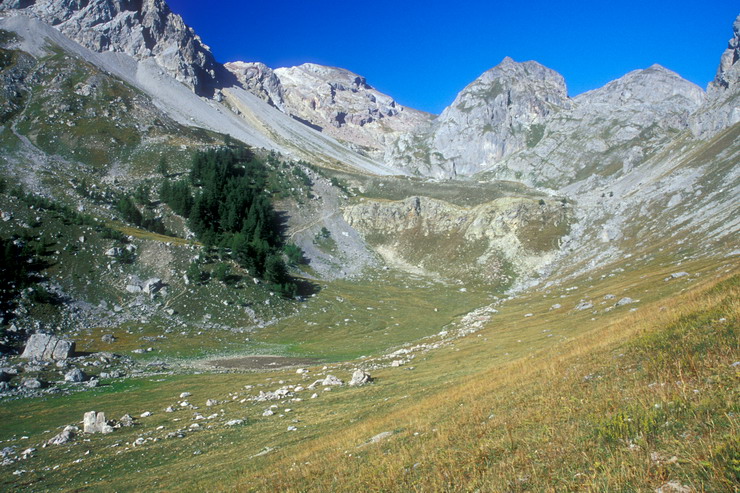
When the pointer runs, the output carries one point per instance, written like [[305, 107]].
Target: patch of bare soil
[[261, 362]]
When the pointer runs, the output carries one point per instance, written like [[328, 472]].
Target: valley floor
[[536, 398]]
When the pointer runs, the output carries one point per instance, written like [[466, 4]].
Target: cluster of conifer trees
[[230, 209]]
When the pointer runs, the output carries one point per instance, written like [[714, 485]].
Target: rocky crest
[[722, 108], [335, 101], [500, 113], [516, 122], [140, 28], [607, 131], [259, 79]]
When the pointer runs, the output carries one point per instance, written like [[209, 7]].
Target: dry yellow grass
[[543, 422]]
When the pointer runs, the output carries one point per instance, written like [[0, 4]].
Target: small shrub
[[294, 254], [222, 272], [630, 425]]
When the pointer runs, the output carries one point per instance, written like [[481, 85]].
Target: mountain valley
[[281, 279]]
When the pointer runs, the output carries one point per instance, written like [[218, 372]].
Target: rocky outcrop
[[140, 28], [65, 436], [728, 72], [498, 114], [47, 348], [722, 108], [259, 79], [608, 131], [493, 243], [332, 100]]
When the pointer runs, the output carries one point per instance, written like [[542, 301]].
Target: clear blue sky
[[422, 52]]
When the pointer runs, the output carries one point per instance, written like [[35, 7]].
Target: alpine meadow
[[232, 277]]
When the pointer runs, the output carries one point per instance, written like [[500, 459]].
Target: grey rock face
[[333, 100], [607, 131], [496, 115], [140, 28], [728, 72], [47, 348], [516, 122], [722, 108], [260, 80]]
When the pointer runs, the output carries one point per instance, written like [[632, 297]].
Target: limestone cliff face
[[259, 79], [493, 117], [140, 28], [335, 101], [516, 122], [608, 131], [722, 108], [493, 243]]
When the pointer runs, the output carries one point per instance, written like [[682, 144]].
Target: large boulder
[[94, 422], [65, 436], [75, 376], [46, 347], [152, 285], [360, 377]]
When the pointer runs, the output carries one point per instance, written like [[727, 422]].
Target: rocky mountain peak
[[722, 107], [335, 101], [494, 116], [511, 84], [653, 85], [260, 80], [140, 28], [728, 72]]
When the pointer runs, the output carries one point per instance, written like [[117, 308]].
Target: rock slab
[[47, 348]]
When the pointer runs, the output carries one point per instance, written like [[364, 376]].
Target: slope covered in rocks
[[142, 29]]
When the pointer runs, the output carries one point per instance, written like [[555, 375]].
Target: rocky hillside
[[143, 29], [168, 64], [332, 100], [498, 114], [517, 122]]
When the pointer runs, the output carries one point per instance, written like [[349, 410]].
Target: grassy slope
[[607, 410], [509, 408]]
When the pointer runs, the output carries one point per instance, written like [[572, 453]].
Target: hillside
[[284, 280]]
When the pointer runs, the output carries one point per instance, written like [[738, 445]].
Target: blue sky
[[424, 52]]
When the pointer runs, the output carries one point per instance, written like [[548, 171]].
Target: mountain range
[[500, 229]]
